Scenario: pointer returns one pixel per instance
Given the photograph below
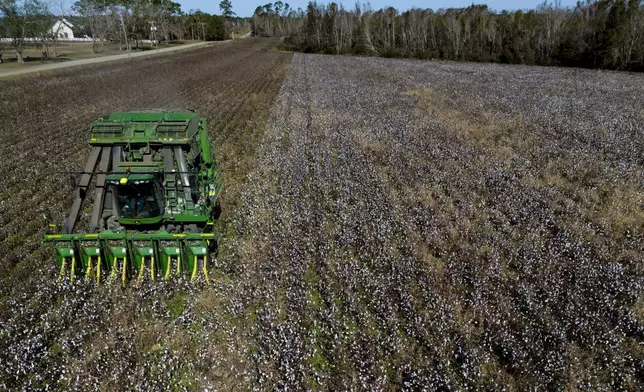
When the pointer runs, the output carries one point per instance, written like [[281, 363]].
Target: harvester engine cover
[[156, 200]]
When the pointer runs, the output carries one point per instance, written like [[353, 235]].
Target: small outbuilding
[[62, 29]]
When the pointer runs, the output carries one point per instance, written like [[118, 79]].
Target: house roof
[[65, 21]]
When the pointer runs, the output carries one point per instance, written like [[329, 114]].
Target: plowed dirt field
[[43, 128]]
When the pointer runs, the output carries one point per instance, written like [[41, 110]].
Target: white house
[[62, 29]]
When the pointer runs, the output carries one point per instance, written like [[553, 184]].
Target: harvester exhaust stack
[[155, 200]]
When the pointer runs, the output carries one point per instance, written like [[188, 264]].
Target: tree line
[[593, 34], [126, 22]]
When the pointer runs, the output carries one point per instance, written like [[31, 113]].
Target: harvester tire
[[216, 211], [213, 247]]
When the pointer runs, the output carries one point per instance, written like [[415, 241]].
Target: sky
[[247, 7]]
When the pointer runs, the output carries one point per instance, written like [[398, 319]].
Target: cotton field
[[387, 225]]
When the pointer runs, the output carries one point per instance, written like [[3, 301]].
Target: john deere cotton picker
[[157, 184]]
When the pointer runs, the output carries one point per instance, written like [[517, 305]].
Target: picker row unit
[[156, 189]]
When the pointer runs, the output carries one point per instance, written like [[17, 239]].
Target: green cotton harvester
[[155, 200]]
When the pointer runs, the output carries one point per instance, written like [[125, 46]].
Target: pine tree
[[226, 8]]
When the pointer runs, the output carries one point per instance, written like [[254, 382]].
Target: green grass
[[176, 305]]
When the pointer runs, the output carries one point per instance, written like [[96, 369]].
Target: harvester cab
[[155, 200]]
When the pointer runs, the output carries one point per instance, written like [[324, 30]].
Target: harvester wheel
[[216, 211], [213, 247]]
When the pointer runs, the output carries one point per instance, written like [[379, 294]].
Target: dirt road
[[75, 63]]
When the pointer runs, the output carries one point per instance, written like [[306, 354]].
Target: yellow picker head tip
[[123, 181]]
